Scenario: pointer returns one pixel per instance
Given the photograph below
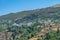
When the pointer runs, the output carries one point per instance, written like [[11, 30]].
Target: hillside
[[39, 24], [52, 12]]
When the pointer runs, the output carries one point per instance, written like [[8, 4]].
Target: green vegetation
[[3, 29], [24, 32], [40, 19], [50, 12], [51, 36]]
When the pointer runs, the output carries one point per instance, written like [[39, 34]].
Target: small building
[[15, 24]]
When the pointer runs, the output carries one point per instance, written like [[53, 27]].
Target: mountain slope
[[50, 12]]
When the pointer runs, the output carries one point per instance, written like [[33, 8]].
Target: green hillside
[[49, 12], [44, 12], [39, 24]]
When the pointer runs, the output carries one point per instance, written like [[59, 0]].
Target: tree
[[47, 37]]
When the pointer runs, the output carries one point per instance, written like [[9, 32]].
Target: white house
[[29, 23], [15, 24]]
